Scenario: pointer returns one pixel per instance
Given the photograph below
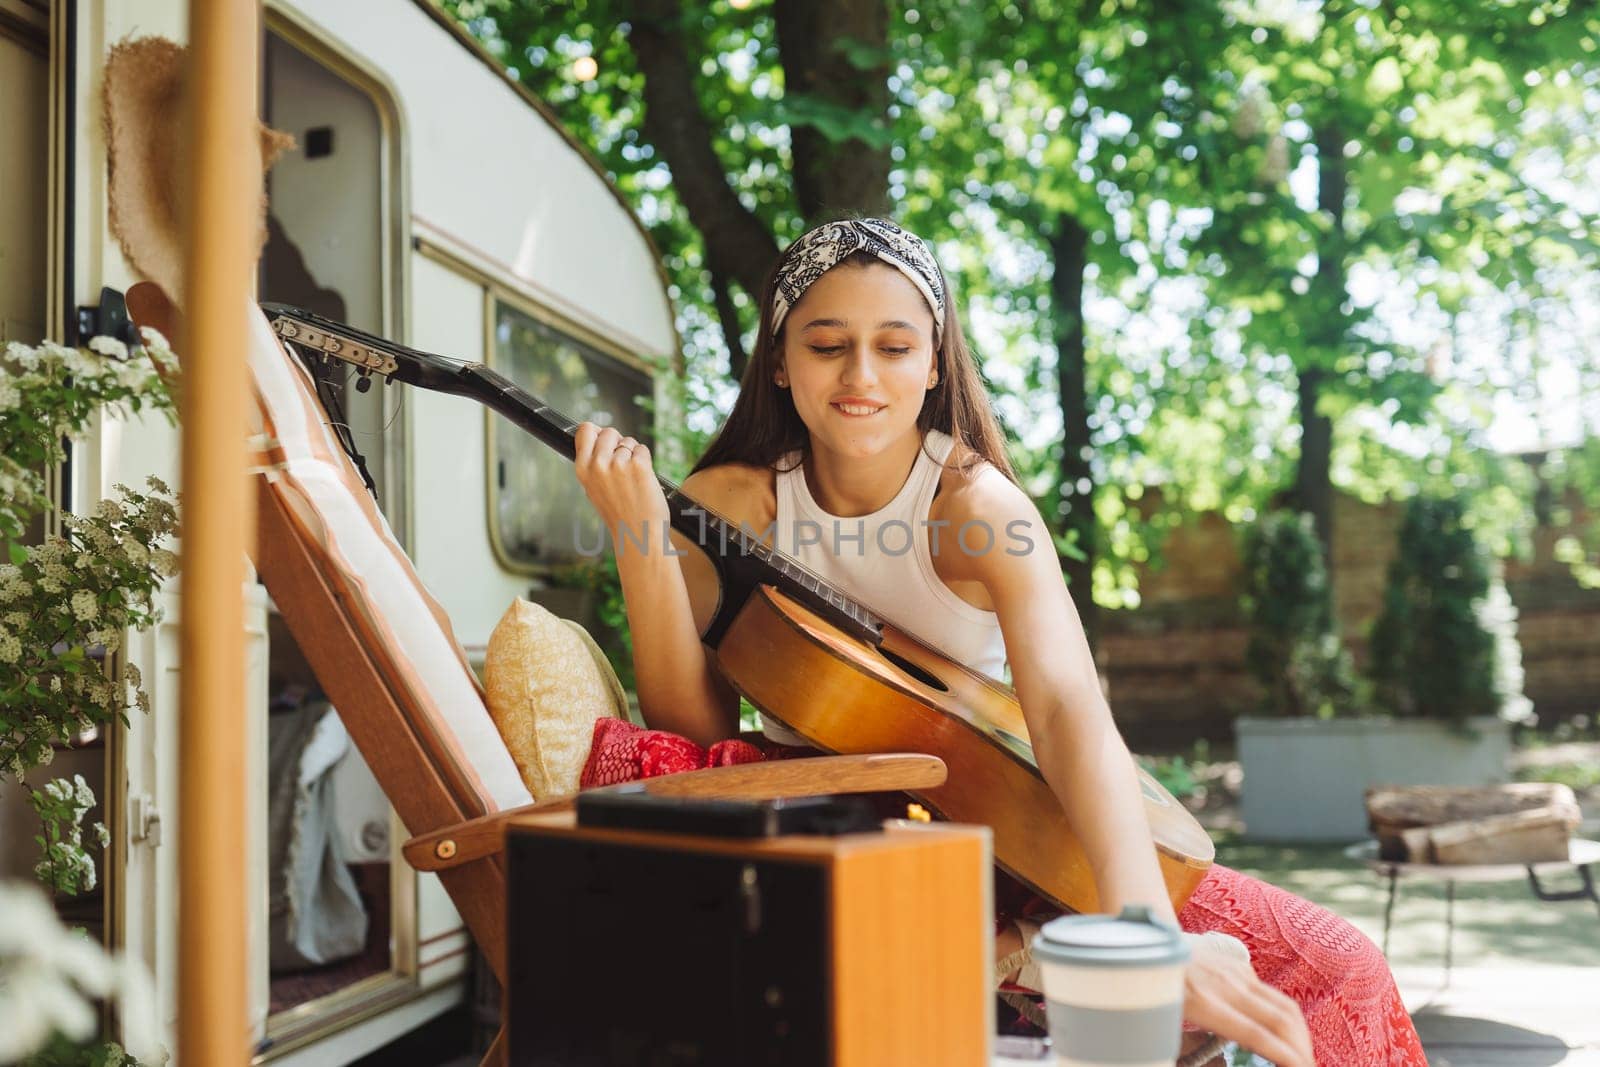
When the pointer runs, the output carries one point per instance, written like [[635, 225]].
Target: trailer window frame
[[594, 348]]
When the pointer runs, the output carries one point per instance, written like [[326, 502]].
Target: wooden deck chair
[[383, 650]]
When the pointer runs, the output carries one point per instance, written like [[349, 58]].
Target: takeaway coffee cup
[[1113, 988]]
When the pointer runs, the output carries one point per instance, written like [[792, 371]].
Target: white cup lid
[[1131, 939]]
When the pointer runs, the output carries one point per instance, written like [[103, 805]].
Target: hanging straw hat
[[142, 101]]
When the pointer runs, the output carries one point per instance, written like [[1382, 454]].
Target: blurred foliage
[[1575, 776], [1173, 772], [1190, 142], [1294, 652], [1432, 657]]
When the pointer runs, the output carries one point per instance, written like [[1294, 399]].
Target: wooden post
[[223, 196]]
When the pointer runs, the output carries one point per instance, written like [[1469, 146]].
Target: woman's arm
[[1078, 749], [1087, 765], [678, 688]]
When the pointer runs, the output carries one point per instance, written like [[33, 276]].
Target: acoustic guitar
[[817, 660]]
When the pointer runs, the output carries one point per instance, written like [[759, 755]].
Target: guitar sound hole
[[930, 680]]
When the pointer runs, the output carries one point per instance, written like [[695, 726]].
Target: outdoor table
[[1582, 855]]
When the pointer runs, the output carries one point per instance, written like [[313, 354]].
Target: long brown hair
[[764, 425]]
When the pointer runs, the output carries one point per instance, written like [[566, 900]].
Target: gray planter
[[1304, 779]]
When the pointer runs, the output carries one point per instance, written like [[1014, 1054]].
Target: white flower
[[134, 552], [109, 510], [23, 356], [141, 1031], [166, 562], [10, 648], [79, 363], [55, 684], [9, 397], [99, 539], [84, 606], [53, 975], [108, 346], [132, 675]]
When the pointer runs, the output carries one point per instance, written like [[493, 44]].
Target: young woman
[[862, 407]]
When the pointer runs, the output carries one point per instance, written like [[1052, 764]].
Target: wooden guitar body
[[847, 697]]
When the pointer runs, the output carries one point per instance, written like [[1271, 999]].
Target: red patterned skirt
[[1334, 972]]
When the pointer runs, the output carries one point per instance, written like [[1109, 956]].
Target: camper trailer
[[429, 199]]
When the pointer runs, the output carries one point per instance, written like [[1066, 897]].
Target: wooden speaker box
[[865, 950]]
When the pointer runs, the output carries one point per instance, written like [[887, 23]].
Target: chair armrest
[[818, 776]]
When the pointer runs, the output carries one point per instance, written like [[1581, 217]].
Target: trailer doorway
[[342, 909]]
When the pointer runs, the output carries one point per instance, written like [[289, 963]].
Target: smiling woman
[[862, 408]]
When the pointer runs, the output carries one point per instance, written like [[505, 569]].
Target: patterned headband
[[822, 249]]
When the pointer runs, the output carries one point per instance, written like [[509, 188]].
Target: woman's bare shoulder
[[972, 487], [743, 492]]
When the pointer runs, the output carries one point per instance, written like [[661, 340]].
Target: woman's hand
[[616, 474], [1222, 994]]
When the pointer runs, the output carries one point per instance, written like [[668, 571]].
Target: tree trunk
[[846, 177], [738, 244], [1069, 245], [1313, 484], [829, 178], [728, 316]]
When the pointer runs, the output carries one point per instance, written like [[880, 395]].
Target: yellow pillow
[[547, 682]]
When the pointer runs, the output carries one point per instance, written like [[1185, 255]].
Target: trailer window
[[542, 517]]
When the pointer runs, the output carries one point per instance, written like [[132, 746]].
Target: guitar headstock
[[367, 353]]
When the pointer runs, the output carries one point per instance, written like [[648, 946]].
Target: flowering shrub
[[64, 605], [66, 601], [61, 805], [50, 979]]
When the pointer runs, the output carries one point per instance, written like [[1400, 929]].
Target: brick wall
[[1174, 666]]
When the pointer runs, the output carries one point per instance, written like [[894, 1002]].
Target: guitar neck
[[743, 561]]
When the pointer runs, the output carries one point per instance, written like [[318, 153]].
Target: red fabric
[[1337, 976], [1334, 972], [622, 752]]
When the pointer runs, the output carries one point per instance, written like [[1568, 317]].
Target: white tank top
[[884, 560]]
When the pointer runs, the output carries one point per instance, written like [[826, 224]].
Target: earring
[[933, 382], [781, 382]]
